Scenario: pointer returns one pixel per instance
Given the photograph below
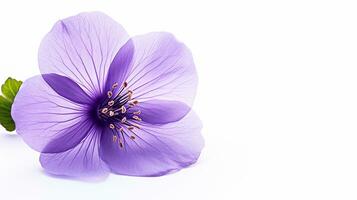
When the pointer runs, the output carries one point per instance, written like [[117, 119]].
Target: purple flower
[[109, 103]]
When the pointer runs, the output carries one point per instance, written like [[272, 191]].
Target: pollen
[[116, 110], [104, 110], [112, 126], [121, 130], [133, 103], [125, 84], [115, 85], [110, 94], [111, 103], [123, 109], [115, 138], [137, 112], [135, 125], [136, 118], [130, 94]]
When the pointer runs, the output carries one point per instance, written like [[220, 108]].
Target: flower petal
[[67, 88], [161, 111], [80, 161], [43, 116], [162, 68], [156, 149], [81, 48], [120, 66]]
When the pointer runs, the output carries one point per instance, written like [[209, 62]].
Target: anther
[[115, 85], [110, 94], [135, 125], [137, 112], [114, 138], [130, 93], [132, 137], [136, 118], [123, 120], [104, 110], [121, 144], [110, 103], [111, 126], [111, 113], [123, 109], [130, 127], [121, 130], [133, 103], [125, 84]]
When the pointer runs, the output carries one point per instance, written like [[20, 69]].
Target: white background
[[277, 96]]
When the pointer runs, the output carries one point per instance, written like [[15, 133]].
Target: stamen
[[125, 84], [110, 103], [104, 110], [115, 85], [123, 109], [110, 94], [135, 125], [132, 137], [123, 120], [136, 118], [122, 135], [111, 126], [121, 130], [133, 103], [130, 93], [114, 109], [137, 112]]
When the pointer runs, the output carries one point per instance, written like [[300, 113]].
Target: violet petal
[[81, 161], [120, 66], [82, 47], [156, 149], [162, 68], [41, 115], [161, 111], [65, 87]]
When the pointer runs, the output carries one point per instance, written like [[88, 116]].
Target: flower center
[[119, 114]]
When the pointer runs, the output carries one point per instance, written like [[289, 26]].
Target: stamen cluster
[[119, 113]]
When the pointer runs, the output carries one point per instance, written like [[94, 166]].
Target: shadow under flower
[[79, 179], [9, 137]]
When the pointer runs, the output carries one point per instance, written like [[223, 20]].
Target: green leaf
[[9, 90]]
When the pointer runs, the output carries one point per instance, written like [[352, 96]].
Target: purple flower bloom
[[109, 103]]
